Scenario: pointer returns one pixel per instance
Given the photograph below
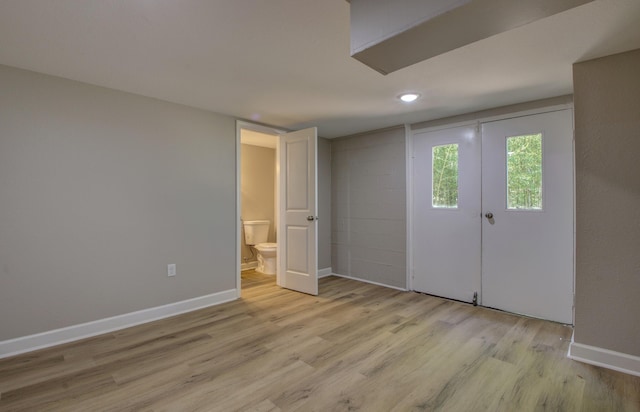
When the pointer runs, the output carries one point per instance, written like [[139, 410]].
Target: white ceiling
[[286, 62]]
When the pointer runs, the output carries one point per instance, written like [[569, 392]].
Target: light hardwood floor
[[354, 347]]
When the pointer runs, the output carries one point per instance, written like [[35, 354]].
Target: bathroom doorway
[[257, 159], [295, 205]]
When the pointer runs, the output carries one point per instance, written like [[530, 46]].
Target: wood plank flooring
[[356, 347]]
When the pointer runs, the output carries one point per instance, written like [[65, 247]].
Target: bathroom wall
[[257, 187], [368, 194]]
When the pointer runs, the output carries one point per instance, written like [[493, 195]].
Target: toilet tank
[[256, 231]]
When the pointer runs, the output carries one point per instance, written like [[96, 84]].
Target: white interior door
[[446, 213], [297, 223], [527, 243]]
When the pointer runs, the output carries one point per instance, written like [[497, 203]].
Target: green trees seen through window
[[445, 176], [524, 172]]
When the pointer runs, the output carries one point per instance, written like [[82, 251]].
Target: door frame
[[242, 124], [477, 121]]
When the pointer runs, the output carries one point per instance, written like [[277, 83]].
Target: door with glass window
[[446, 213], [527, 224], [492, 214]]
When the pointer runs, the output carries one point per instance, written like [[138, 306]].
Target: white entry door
[[527, 201], [298, 220], [494, 214], [446, 213]]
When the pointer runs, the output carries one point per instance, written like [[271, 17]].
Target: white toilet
[[256, 234]]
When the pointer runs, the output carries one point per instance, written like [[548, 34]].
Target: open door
[[298, 220]]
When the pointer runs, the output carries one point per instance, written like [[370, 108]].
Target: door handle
[[489, 215], [311, 218]]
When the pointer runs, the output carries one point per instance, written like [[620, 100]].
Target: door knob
[[310, 218], [489, 215]]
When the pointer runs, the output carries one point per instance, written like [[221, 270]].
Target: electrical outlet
[[171, 269]]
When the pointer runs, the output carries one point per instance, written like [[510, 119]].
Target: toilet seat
[[267, 247]]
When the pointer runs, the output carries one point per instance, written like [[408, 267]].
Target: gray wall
[[99, 191], [257, 187], [324, 203], [607, 117], [369, 206]]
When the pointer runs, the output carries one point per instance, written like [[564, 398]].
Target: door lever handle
[[489, 215], [311, 218]]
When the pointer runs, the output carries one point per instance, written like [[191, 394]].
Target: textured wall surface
[[99, 191], [607, 142], [369, 207]]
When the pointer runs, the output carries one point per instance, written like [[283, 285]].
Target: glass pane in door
[[444, 176], [524, 172]]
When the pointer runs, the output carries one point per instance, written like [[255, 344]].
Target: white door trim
[[242, 124], [408, 143]]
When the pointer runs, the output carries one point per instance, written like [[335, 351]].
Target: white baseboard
[[85, 330], [605, 358], [369, 281], [323, 273], [249, 265]]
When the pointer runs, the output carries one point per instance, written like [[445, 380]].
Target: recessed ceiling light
[[409, 97]]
